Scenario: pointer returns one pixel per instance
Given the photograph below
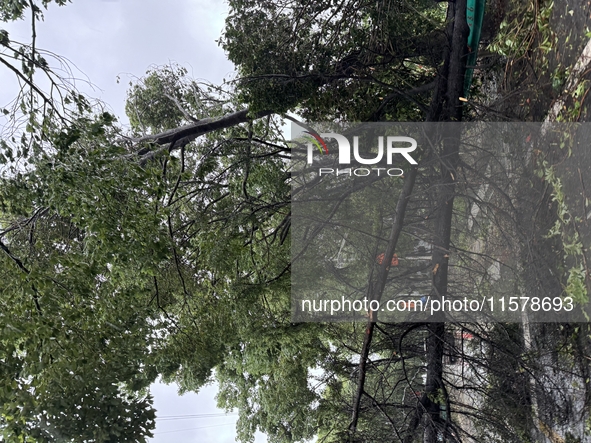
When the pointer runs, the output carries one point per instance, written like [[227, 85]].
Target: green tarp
[[474, 17]]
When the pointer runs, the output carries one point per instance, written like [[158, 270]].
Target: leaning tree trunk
[[435, 394], [445, 107]]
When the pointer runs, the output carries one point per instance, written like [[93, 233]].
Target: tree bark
[[377, 289], [178, 137], [435, 392]]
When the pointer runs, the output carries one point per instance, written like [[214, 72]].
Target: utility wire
[[194, 416], [194, 429]]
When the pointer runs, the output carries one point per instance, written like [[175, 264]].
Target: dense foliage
[[165, 250]]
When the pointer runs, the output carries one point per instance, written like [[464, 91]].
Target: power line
[[194, 429], [199, 415], [193, 416]]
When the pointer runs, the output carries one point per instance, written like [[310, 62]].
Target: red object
[[380, 259]]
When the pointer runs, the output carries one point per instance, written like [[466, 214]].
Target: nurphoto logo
[[401, 145]]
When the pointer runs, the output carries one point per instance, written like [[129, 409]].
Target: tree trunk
[[435, 393]]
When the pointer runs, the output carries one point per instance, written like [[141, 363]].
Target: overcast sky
[[107, 39]]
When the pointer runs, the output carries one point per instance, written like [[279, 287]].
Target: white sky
[[105, 39]]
